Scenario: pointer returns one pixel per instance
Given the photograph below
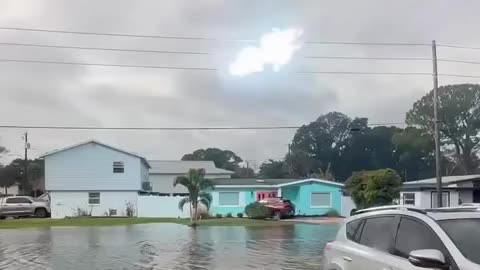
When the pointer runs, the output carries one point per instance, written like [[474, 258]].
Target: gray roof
[[267, 182], [182, 167], [250, 182], [99, 143], [446, 180]]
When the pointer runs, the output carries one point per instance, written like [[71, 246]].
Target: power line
[[204, 38], [369, 58], [200, 68], [365, 73], [216, 69], [458, 47], [200, 53], [100, 49], [458, 61], [123, 35], [170, 128], [105, 65]]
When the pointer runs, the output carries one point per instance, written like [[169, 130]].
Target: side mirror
[[428, 258]]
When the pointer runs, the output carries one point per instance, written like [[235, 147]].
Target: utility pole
[[26, 157], [438, 169]]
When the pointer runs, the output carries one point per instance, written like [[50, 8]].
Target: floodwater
[[165, 246]]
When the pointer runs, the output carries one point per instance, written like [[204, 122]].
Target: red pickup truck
[[279, 208]]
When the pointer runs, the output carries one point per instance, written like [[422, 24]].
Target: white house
[[455, 190], [163, 173], [94, 178]]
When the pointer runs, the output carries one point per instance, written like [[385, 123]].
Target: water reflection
[[165, 246]]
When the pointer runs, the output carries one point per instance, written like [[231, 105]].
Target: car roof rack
[[391, 207], [454, 209]]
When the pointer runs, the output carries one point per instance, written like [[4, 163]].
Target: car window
[[353, 229], [414, 235], [23, 200], [17, 200], [465, 233], [12, 200], [378, 232]]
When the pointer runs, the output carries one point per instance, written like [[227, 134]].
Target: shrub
[[257, 210], [205, 216], [332, 213], [218, 215], [240, 215], [229, 215], [374, 188]]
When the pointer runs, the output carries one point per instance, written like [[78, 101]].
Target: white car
[[407, 238]]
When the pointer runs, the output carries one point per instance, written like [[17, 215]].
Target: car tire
[[3, 217], [41, 213]]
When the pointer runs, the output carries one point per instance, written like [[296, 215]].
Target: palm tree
[[197, 186]]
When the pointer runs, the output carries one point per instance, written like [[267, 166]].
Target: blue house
[[310, 196]]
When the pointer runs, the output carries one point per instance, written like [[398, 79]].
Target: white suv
[[401, 238]]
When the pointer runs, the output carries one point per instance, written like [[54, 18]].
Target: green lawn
[[42, 223]]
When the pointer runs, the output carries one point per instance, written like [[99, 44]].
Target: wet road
[[165, 246]]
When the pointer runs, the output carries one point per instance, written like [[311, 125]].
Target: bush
[[374, 188], [257, 210], [332, 213], [205, 216], [229, 215], [240, 215], [218, 215]]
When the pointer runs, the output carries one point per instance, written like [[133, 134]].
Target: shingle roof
[[268, 182], [95, 142], [446, 180], [182, 167]]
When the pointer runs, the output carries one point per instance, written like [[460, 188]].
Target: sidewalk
[[317, 220]]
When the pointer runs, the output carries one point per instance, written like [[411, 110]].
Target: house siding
[[66, 203], [299, 195], [303, 197], [90, 167]]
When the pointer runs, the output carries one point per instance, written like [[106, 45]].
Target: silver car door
[[413, 234]]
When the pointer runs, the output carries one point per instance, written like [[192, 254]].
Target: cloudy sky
[[41, 94]]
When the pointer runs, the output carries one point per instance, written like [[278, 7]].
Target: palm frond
[[181, 180], [182, 203], [206, 184], [205, 198]]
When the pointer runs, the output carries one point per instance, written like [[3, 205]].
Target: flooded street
[[165, 246]]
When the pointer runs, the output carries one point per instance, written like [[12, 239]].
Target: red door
[[266, 194]]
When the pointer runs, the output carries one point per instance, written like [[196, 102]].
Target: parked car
[[279, 208], [407, 238], [23, 206]]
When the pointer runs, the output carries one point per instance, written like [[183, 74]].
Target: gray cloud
[[77, 95]]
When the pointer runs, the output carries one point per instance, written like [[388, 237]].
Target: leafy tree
[[459, 116], [243, 172], [224, 159], [323, 141], [374, 188], [274, 169], [197, 186], [36, 171], [415, 153], [8, 177]]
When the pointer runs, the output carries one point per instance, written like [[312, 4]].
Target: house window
[[228, 198], [320, 199], [118, 167], [445, 199], [409, 198], [94, 198]]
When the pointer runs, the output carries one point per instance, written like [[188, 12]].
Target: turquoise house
[[311, 196]]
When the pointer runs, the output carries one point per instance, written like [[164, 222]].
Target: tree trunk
[[191, 215], [6, 190]]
